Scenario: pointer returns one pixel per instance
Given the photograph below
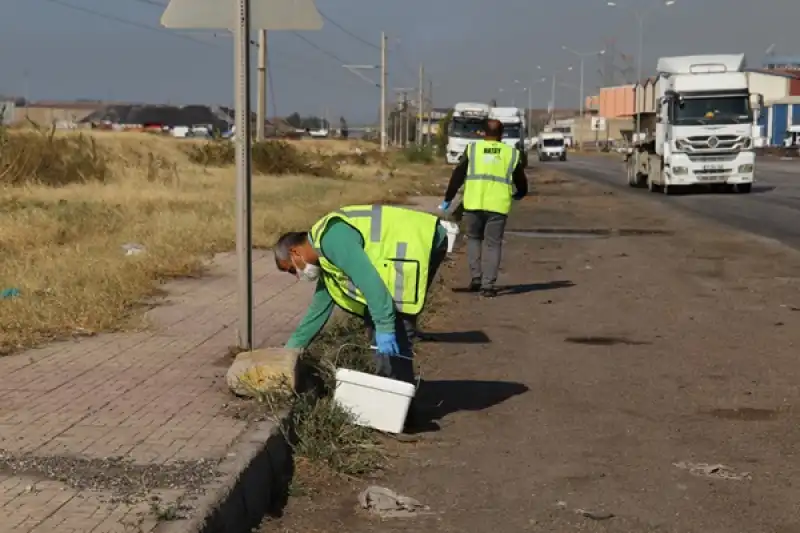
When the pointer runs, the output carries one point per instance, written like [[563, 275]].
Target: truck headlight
[[680, 171], [745, 169]]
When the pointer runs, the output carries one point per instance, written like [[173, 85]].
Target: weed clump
[[276, 158], [41, 157], [419, 154], [320, 431]]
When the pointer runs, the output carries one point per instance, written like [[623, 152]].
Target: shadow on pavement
[[525, 288], [456, 337], [533, 287], [720, 191], [438, 398]]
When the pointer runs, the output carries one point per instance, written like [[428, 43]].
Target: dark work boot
[[488, 292], [474, 285]]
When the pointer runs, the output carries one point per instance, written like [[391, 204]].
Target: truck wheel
[[652, 186], [743, 188]]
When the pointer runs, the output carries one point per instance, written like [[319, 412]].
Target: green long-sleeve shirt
[[343, 246]]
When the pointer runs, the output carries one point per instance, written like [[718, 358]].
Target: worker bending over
[[373, 261], [487, 171]]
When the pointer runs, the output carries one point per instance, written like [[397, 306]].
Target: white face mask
[[309, 273]]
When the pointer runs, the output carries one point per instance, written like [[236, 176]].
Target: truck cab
[[464, 128], [704, 126], [514, 128]]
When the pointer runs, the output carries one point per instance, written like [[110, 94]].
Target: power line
[[127, 22], [319, 48], [343, 29]]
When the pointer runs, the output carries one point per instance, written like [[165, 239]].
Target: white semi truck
[[465, 127], [703, 127], [514, 129]]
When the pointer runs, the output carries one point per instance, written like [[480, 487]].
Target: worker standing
[[489, 172], [373, 261]]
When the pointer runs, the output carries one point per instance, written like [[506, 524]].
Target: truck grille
[[713, 142], [711, 158]]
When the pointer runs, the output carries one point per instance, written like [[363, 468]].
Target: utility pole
[[398, 123], [421, 105], [530, 111], [553, 100], [384, 77], [402, 113], [430, 113], [406, 108], [261, 107], [404, 120]]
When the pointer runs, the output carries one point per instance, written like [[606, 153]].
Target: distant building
[[46, 113], [782, 63]]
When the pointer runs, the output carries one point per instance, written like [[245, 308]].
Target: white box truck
[[704, 125], [514, 128], [465, 127]]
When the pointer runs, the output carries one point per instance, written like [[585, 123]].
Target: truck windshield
[[732, 109], [553, 143], [512, 131], [467, 128]]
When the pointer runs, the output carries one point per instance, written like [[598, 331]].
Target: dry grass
[[62, 237]]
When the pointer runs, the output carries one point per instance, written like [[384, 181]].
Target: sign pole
[[244, 223]]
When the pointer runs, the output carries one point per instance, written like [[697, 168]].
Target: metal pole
[[640, 16], [530, 111], [244, 223], [580, 122], [407, 131], [383, 92], [261, 109], [430, 113], [553, 100], [420, 106]]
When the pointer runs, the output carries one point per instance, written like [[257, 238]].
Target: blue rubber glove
[[444, 206], [387, 344]]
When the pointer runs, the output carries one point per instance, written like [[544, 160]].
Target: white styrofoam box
[[452, 234], [376, 402]]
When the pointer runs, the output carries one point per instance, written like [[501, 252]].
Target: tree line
[[312, 122]]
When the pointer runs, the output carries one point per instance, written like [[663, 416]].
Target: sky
[[472, 50]]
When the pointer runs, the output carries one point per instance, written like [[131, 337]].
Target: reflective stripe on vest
[[406, 254], [375, 214], [488, 185]]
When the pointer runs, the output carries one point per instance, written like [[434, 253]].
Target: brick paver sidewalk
[[72, 414]]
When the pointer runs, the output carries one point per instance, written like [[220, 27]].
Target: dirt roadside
[[608, 369]]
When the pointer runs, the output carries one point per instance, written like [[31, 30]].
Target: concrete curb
[[254, 483]]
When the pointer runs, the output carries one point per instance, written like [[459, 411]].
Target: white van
[[551, 145]]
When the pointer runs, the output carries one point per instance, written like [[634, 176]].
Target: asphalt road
[[772, 210]]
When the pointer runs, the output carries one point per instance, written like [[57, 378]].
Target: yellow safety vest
[[488, 185], [397, 241]]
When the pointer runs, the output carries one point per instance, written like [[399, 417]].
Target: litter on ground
[[388, 504], [717, 471]]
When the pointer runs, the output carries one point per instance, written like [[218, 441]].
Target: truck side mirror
[[757, 101]]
